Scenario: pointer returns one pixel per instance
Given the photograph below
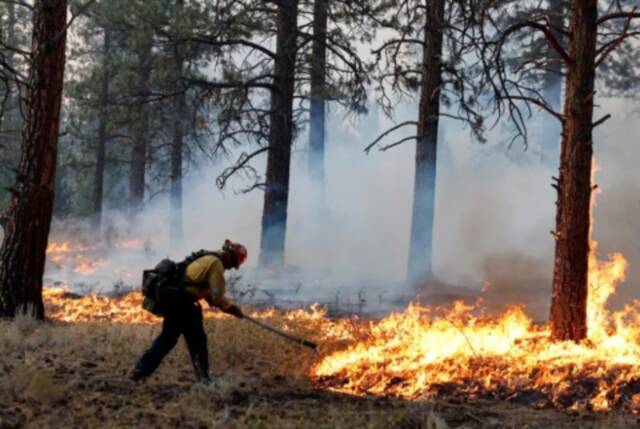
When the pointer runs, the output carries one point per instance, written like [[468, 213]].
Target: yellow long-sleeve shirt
[[204, 278]]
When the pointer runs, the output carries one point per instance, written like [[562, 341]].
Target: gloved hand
[[234, 310]]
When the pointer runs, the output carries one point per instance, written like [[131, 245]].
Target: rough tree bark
[[23, 251], [570, 275], [276, 196], [421, 247], [140, 133], [317, 105], [552, 83], [98, 183], [176, 227]]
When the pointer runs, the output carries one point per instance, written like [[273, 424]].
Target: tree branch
[[251, 83], [230, 42], [602, 120], [614, 45], [617, 15], [398, 143], [396, 42], [243, 160], [538, 103], [551, 38], [387, 132]]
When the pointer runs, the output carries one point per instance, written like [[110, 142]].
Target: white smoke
[[494, 212]]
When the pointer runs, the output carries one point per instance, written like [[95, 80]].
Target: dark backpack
[[164, 284]]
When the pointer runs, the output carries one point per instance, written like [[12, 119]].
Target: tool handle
[[301, 341]]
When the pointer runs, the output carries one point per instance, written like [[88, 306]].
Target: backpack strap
[[181, 267]]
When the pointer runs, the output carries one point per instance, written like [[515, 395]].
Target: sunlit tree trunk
[[23, 251], [276, 195], [570, 276], [421, 248]]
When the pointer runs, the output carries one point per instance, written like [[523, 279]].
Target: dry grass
[[74, 375]]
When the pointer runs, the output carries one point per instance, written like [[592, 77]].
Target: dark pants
[[184, 317]]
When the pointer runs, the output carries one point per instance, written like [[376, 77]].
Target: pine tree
[[594, 37], [282, 76], [422, 29], [22, 255]]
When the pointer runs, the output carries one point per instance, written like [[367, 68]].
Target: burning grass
[[424, 353], [421, 367], [73, 374]]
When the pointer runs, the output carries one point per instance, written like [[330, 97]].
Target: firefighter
[[203, 279]]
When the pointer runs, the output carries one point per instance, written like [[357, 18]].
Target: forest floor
[[60, 374]]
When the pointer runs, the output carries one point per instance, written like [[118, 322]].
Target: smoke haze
[[494, 213]]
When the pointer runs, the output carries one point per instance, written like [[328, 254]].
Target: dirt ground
[[75, 375]]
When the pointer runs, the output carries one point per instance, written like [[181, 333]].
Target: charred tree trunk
[[176, 231], [140, 133], [318, 92], [570, 275], [276, 196], [98, 184], [421, 248], [552, 84], [23, 251]]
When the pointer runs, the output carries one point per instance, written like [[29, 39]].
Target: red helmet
[[237, 249]]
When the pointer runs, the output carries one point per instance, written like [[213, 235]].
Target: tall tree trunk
[[23, 251], [318, 81], [12, 106], [98, 184], [552, 84], [9, 114], [421, 248], [570, 275], [276, 196], [176, 231], [140, 133]]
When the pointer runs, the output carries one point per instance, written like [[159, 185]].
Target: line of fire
[[319, 213]]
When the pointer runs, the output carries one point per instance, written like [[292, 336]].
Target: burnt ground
[[74, 375]]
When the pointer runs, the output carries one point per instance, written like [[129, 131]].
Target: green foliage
[[13, 66], [136, 29]]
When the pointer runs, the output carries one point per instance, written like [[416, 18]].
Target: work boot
[[201, 368], [203, 378], [137, 375]]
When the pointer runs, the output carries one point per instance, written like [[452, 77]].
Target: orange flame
[[418, 354], [423, 352], [413, 354], [66, 247], [87, 266], [83, 259], [67, 307]]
